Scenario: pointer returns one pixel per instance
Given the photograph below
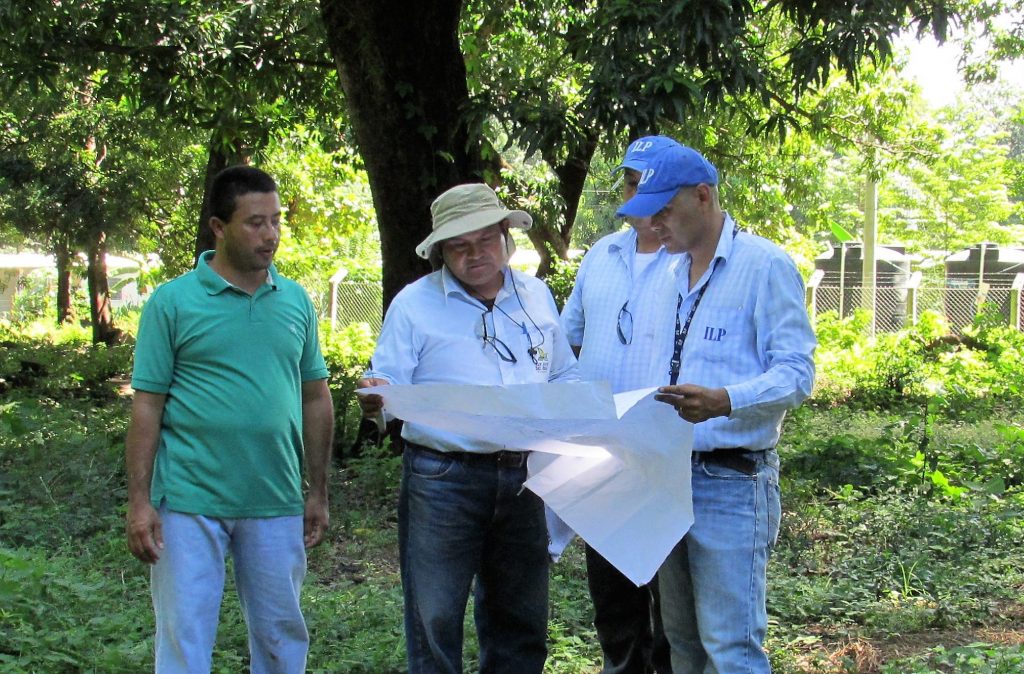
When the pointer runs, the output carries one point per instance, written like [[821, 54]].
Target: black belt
[[504, 457], [737, 458]]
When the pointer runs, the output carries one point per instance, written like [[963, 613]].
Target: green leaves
[[841, 234]]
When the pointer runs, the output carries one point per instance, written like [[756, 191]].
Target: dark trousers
[[627, 619], [465, 524]]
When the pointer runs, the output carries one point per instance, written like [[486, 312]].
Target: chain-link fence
[[959, 300], [895, 307], [356, 302]]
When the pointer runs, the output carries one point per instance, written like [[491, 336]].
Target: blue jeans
[[713, 583], [188, 583], [460, 518]]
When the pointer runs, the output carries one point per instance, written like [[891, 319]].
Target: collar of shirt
[[214, 283], [624, 243], [723, 250], [625, 246]]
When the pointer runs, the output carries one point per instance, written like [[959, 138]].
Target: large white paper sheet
[[615, 469]]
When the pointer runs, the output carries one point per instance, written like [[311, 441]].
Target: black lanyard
[[682, 331]]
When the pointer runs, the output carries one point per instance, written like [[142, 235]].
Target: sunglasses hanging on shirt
[[489, 337], [501, 348], [624, 325]]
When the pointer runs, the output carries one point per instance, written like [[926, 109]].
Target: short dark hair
[[233, 182]]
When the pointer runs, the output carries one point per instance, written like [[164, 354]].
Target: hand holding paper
[[615, 469]]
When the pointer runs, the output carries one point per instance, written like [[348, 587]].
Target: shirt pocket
[[720, 333]]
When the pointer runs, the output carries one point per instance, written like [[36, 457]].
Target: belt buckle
[[512, 459], [731, 458]]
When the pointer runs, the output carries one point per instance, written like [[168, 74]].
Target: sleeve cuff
[[377, 374], [741, 396], [150, 386]]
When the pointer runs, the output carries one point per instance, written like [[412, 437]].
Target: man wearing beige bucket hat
[[464, 519]]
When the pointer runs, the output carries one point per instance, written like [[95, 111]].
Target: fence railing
[[898, 306], [894, 307], [355, 302]]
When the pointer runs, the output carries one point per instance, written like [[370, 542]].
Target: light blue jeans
[[188, 583], [468, 522], [713, 582]]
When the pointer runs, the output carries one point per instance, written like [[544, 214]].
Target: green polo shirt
[[232, 367]]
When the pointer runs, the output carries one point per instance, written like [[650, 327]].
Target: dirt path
[[868, 656]]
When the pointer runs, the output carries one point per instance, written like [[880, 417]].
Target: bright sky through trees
[[935, 68]]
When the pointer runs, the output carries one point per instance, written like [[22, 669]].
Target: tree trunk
[[220, 157], [552, 239], [62, 257], [404, 78], [103, 330]]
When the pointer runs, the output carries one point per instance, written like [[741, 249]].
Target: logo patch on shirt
[[541, 360], [713, 334]]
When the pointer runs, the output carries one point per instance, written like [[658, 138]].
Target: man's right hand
[[145, 533], [371, 404]]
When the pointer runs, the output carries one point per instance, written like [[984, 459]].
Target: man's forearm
[[141, 444]]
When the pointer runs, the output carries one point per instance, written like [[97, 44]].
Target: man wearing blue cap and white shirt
[[620, 307], [742, 355], [464, 517]]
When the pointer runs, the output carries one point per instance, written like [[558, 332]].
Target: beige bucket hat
[[467, 208]]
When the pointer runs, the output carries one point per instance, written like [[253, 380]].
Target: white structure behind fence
[[894, 307]]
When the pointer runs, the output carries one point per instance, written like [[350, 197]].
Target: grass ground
[[899, 551]]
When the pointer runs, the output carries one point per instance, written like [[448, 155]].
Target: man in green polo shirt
[[231, 400]]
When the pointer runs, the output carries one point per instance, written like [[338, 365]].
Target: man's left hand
[[696, 403], [315, 521]]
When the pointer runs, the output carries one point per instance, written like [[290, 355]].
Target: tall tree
[[232, 72], [624, 66], [328, 219], [405, 85], [956, 195], [78, 174]]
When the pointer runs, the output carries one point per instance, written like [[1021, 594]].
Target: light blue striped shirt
[[433, 334], [751, 335], [604, 283]]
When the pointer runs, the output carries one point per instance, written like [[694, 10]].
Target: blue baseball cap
[[640, 151], [668, 170]]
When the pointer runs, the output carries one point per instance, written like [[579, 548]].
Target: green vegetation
[[115, 115], [899, 551]]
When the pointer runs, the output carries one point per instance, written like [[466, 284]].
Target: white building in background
[[14, 267], [122, 274]]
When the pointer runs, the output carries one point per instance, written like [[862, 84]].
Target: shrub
[[60, 363], [562, 278], [347, 352], [983, 369]]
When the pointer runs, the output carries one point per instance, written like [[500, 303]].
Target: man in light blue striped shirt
[[619, 310], [740, 357]]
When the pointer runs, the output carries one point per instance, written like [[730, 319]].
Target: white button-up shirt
[[750, 334], [594, 313], [433, 333]]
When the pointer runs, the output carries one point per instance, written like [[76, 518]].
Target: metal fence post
[[913, 284], [1015, 309], [332, 301], [811, 293]]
